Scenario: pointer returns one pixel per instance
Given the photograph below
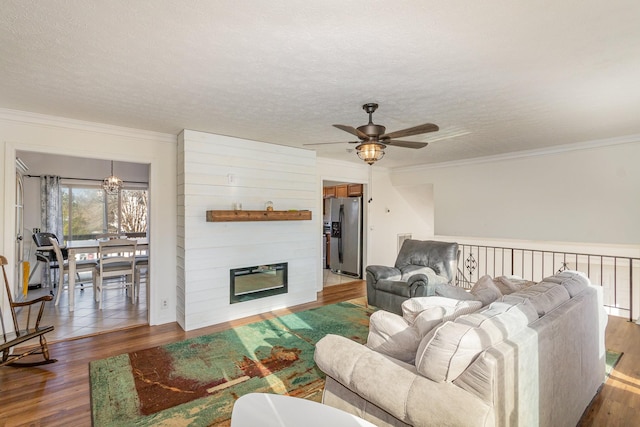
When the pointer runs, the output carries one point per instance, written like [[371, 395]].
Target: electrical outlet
[[164, 304]]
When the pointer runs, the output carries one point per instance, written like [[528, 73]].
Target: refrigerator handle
[[340, 220]]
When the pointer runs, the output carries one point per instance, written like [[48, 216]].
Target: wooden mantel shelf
[[221, 216]]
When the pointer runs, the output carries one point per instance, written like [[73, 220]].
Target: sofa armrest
[[396, 387], [381, 272]]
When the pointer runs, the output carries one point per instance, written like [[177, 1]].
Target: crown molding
[[587, 145], [67, 123]]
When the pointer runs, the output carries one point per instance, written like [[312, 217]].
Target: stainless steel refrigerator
[[345, 255]]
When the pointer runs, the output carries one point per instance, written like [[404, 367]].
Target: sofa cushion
[[573, 281], [545, 296], [455, 292], [446, 351], [390, 334], [523, 309], [485, 290], [412, 307], [510, 284]]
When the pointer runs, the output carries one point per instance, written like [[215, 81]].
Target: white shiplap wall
[[208, 250]]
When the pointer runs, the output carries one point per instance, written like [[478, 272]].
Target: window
[[87, 211]]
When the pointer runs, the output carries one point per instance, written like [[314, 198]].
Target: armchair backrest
[[442, 257]]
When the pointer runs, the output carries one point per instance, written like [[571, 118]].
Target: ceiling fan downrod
[[372, 130]]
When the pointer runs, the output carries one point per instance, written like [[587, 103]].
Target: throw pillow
[[485, 290], [416, 305], [399, 338], [456, 292], [391, 335], [446, 351], [426, 321]]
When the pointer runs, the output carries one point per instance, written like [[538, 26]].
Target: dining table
[[79, 247]]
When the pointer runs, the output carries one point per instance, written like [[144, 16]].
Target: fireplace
[[248, 283]]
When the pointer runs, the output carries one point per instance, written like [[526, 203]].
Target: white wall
[[582, 193], [52, 135], [208, 250], [394, 210]]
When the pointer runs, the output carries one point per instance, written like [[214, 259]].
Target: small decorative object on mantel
[[269, 206], [236, 216]]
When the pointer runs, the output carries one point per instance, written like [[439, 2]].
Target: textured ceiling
[[496, 76]]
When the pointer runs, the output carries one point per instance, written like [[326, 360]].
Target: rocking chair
[[31, 328]]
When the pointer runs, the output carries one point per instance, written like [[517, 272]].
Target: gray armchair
[[420, 267]]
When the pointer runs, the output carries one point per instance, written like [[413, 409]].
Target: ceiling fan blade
[[405, 144], [416, 130], [327, 143], [352, 131]]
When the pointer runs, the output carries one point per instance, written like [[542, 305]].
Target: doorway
[[86, 213], [343, 232]]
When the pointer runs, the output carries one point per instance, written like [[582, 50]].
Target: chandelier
[[112, 184], [371, 152]]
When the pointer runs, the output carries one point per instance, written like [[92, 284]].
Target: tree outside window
[[88, 211]]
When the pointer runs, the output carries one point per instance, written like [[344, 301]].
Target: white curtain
[[50, 212], [51, 205]]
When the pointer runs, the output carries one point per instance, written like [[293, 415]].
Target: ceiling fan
[[373, 139]]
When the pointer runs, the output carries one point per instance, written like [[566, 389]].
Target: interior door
[[19, 226]]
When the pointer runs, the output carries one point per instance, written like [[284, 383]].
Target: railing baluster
[[472, 254], [631, 289], [615, 282]]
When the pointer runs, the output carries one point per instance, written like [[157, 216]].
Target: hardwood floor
[[618, 402], [58, 394]]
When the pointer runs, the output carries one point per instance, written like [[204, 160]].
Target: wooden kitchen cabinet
[[342, 190], [354, 190], [329, 192]]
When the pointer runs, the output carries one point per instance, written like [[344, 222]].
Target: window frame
[[72, 184]]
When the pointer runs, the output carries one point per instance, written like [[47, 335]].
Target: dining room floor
[[118, 312]]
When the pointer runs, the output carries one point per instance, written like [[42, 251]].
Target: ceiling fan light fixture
[[112, 184], [371, 152]]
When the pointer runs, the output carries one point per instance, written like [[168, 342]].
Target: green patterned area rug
[[195, 382], [612, 359]]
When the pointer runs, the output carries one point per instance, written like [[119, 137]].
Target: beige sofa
[[535, 357]]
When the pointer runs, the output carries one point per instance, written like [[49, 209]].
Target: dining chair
[[63, 265], [115, 268], [142, 269]]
